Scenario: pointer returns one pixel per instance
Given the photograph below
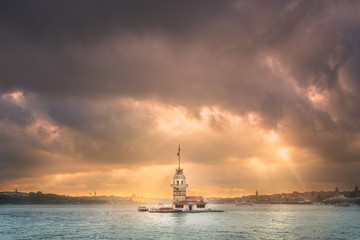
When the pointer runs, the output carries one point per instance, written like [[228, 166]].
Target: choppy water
[[124, 222]]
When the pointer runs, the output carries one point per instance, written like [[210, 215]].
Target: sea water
[[125, 222]]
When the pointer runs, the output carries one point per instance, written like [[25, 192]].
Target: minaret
[[179, 183]]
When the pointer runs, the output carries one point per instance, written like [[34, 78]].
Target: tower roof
[[179, 174]]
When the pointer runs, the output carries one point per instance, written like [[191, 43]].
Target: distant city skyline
[[261, 95]]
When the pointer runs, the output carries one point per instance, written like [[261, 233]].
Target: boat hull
[[164, 210]]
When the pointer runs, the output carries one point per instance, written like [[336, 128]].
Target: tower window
[[177, 182], [181, 182]]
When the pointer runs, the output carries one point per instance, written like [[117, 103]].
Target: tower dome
[[179, 174]]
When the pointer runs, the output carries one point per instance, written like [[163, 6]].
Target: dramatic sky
[[261, 95]]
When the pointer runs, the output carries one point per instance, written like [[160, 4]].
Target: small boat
[[345, 204], [164, 210], [202, 211], [142, 209]]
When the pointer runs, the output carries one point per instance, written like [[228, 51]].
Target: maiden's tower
[[180, 200]]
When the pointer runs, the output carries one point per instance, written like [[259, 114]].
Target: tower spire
[[179, 155]]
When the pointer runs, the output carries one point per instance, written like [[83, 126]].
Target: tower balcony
[[179, 186]]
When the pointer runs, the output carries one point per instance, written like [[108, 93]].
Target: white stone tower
[[179, 183]]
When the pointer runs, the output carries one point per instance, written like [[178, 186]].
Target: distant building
[[180, 200]]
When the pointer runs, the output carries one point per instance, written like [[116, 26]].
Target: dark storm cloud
[[18, 158], [144, 49], [78, 20], [188, 53], [57, 44], [12, 113], [49, 136], [101, 132]]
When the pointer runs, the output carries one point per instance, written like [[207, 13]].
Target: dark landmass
[[321, 197], [40, 198], [22, 198]]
